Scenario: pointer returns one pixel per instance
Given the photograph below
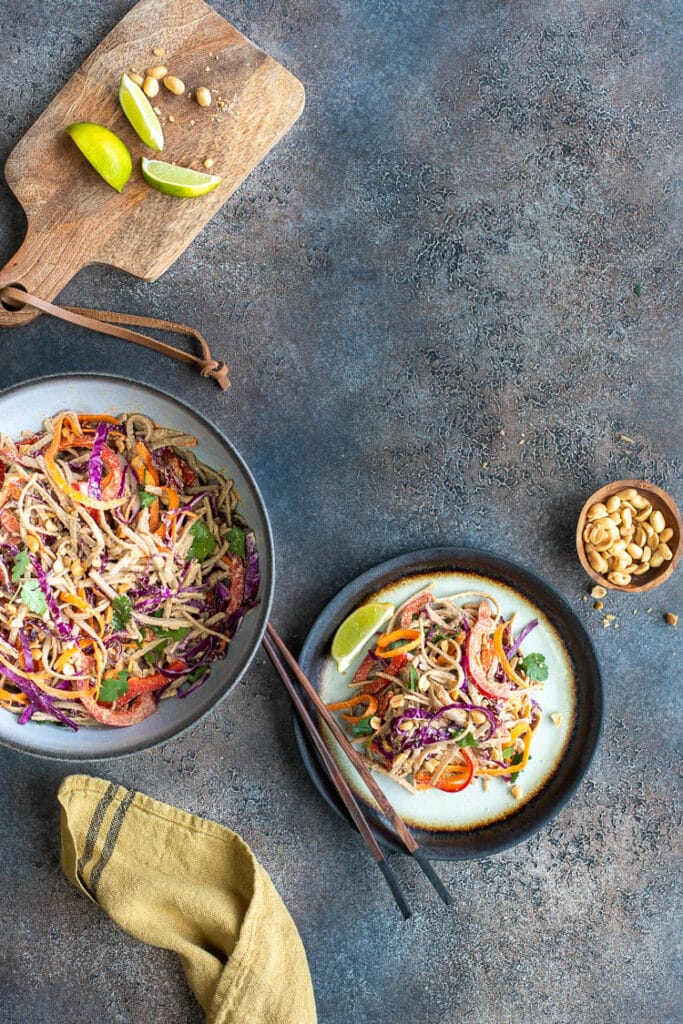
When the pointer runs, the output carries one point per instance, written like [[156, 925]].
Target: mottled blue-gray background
[[472, 230]]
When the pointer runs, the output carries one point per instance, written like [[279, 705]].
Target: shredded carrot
[[352, 702]]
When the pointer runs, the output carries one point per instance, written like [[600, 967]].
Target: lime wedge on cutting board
[[140, 113], [355, 631], [177, 181], [104, 150]]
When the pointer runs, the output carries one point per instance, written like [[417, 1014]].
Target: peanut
[[174, 85], [158, 71], [135, 77], [619, 579], [666, 535], [203, 96], [150, 87], [658, 521]]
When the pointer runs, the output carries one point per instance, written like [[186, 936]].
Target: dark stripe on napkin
[[94, 828], [110, 841]]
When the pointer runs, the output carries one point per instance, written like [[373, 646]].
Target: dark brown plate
[[518, 823]]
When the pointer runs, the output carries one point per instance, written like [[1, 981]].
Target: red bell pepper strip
[[236, 598], [144, 706], [479, 634], [413, 607], [10, 522], [148, 684], [454, 779]]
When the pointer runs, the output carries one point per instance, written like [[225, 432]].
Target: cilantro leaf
[[412, 677], [21, 564], [236, 542], [146, 499], [123, 610], [535, 666], [204, 543], [33, 597], [113, 687], [362, 728], [467, 741]]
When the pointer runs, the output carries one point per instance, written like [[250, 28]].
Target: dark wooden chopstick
[[338, 780], [399, 826]]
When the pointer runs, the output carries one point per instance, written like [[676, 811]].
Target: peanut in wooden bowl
[[661, 502]]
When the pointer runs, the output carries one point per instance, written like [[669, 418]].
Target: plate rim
[[440, 559], [269, 557]]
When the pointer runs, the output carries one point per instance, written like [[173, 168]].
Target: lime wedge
[[104, 150], [355, 631], [177, 181], [139, 112]]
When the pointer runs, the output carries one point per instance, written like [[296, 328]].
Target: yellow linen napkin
[[184, 883]]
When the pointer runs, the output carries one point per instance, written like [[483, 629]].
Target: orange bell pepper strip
[[18, 698], [412, 636], [352, 702], [502, 657], [513, 768]]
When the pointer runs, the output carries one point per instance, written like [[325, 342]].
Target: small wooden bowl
[[660, 501]]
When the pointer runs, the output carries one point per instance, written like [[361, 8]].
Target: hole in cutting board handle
[[14, 306]]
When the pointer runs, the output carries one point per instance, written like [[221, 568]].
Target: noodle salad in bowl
[[445, 695], [126, 568]]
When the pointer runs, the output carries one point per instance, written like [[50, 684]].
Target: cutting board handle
[[43, 265]]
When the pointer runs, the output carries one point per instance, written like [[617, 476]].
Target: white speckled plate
[[24, 407], [474, 822]]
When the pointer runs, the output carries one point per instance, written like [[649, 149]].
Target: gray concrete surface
[[473, 228]]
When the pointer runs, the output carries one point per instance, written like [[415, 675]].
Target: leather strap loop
[[105, 323]]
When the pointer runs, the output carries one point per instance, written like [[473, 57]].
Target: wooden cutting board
[[74, 217]]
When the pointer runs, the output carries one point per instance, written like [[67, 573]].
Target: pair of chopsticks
[[277, 650]]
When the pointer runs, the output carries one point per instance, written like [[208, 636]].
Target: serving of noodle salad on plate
[[445, 695], [125, 569]]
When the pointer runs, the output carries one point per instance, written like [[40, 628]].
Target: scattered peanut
[[478, 717], [135, 77], [516, 791], [159, 51], [376, 722], [599, 605], [208, 162], [556, 718], [158, 71], [598, 591], [171, 118], [203, 96], [174, 85], [671, 618], [398, 701], [150, 87]]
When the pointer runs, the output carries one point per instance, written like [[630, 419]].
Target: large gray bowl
[[24, 407]]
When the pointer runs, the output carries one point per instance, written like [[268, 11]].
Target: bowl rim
[[268, 557], [606, 491]]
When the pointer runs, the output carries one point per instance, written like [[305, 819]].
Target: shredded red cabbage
[[522, 637], [95, 461], [65, 631]]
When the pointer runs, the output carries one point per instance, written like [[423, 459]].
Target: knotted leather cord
[[104, 322]]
